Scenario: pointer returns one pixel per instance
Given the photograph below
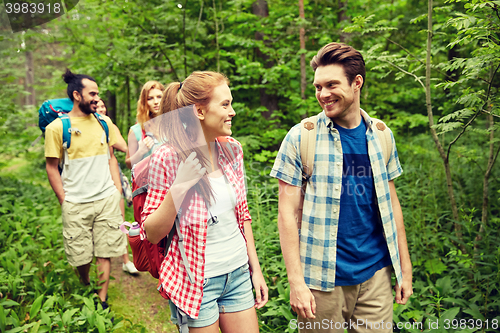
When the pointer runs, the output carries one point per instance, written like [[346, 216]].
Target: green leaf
[[35, 307], [89, 303], [474, 312], [3, 319], [67, 316], [45, 318], [435, 266], [8, 303], [100, 324], [36, 327], [286, 312], [449, 314]]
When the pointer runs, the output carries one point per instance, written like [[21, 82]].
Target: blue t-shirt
[[361, 247]]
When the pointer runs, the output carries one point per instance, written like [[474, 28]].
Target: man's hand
[[404, 291], [302, 301]]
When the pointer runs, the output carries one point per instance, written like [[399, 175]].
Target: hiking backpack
[[308, 129], [147, 256], [59, 108]]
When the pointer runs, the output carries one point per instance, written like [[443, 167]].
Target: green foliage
[[39, 291], [123, 44]]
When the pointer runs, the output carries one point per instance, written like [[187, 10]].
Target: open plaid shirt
[[193, 220], [318, 234]]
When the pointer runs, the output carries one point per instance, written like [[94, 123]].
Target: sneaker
[[130, 268]]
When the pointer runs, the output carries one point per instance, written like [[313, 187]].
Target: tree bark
[[342, 16], [303, 83], [111, 106], [216, 36], [30, 79], [127, 116], [444, 157], [491, 161], [270, 101]]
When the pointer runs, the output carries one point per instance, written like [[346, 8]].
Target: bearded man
[[85, 189]]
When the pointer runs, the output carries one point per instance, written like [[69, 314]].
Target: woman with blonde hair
[[197, 186], [141, 142]]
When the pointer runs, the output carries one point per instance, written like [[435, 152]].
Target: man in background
[[85, 188]]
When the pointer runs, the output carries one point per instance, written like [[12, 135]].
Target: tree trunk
[[30, 79], [111, 106], [184, 37], [303, 83], [270, 101], [127, 116], [216, 36], [444, 157], [342, 16], [491, 161]]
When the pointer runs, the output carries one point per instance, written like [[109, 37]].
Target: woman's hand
[[261, 290], [189, 173], [145, 145]]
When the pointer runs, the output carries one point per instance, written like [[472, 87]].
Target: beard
[[86, 107]]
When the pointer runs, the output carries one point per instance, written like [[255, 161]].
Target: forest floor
[[135, 298]]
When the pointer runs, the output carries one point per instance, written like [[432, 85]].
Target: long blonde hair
[[143, 112], [183, 127]]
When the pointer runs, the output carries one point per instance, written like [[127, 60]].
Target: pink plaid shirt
[[173, 276]]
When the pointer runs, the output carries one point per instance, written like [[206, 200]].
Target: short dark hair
[[344, 55], [74, 82]]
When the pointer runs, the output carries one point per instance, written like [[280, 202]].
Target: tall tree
[[303, 82], [270, 101]]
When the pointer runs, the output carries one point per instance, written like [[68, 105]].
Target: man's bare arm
[[115, 170], [52, 167], [301, 298], [405, 290]]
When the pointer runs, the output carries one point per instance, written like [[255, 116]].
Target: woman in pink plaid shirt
[[196, 182]]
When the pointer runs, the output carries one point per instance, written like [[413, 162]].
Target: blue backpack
[[59, 108]]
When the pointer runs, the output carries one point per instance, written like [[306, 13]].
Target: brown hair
[[143, 112], [181, 128], [344, 55]]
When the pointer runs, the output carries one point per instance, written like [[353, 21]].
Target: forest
[[432, 77]]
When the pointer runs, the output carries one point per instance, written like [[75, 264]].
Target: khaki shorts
[[93, 229], [362, 308]]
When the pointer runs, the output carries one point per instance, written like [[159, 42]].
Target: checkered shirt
[[193, 221], [320, 219]]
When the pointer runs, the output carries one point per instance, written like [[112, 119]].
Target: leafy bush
[[39, 291]]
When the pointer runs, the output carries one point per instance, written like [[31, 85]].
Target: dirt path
[[136, 299]]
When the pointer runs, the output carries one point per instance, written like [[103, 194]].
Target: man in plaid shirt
[[352, 233]]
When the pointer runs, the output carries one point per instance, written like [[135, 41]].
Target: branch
[[406, 72], [418, 59], [495, 158], [475, 115], [490, 114], [159, 46]]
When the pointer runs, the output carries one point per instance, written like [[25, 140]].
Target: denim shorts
[[231, 292]]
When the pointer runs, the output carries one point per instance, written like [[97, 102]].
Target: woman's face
[[153, 101], [101, 108], [217, 115]]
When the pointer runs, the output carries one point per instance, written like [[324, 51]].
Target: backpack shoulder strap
[[103, 124], [182, 250], [66, 133], [384, 137], [308, 130]]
